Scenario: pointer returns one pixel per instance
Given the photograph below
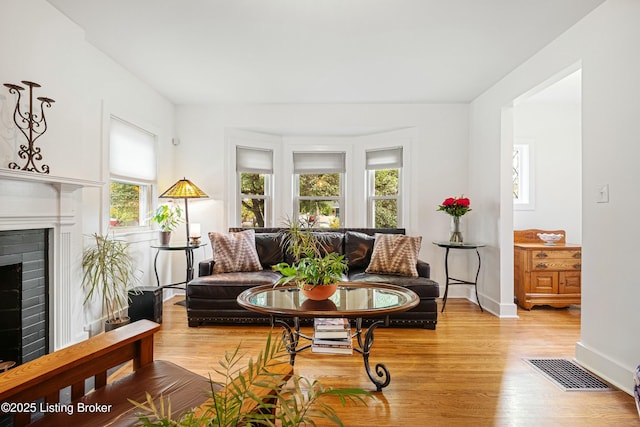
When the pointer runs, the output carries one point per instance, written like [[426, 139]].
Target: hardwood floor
[[468, 372]]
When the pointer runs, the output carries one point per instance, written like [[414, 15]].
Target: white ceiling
[[322, 51]]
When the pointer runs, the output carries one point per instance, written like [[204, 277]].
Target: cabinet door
[[544, 282], [569, 282]]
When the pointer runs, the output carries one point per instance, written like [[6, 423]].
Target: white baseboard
[[503, 311], [605, 367]]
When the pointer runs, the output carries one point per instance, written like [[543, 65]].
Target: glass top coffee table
[[353, 300]]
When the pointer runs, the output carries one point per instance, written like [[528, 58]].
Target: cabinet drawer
[[542, 255], [557, 264]]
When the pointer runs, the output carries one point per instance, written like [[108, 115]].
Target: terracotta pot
[[321, 305], [319, 293]]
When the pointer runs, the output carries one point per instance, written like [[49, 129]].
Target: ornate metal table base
[[188, 251], [291, 337], [355, 300], [453, 281]]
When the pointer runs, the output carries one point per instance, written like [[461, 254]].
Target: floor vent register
[[567, 375]]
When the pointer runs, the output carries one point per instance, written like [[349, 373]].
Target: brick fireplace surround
[[30, 201]]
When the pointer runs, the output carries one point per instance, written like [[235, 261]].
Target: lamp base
[[194, 241]]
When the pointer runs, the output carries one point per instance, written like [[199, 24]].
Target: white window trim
[[370, 185], [402, 138], [267, 197], [241, 138], [527, 175], [320, 145], [149, 186], [371, 197], [340, 198]]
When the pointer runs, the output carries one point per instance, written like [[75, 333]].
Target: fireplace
[[24, 294], [53, 207]]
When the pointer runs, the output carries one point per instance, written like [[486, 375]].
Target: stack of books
[[331, 336]]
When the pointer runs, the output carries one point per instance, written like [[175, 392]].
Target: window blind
[[254, 160], [318, 162], [387, 158], [132, 151]]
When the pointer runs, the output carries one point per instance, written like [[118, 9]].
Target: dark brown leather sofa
[[211, 298]]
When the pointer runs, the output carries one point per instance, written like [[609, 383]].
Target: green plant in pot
[[109, 273], [168, 216], [317, 275]]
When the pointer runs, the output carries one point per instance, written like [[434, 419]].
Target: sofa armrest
[[205, 268], [424, 269]]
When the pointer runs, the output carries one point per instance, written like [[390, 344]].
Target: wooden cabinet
[[546, 275]]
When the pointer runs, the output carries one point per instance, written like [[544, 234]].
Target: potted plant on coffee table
[[168, 216], [109, 273], [317, 275]]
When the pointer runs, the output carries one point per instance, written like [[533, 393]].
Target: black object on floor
[[146, 303]]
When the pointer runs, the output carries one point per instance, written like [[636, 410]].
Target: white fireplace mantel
[[20, 175], [27, 201]]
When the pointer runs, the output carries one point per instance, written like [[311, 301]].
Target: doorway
[[547, 132], [547, 157]]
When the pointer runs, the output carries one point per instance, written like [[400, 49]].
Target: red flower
[[455, 206]]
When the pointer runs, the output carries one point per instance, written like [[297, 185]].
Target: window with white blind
[[133, 171], [522, 169], [254, 168], [384, 187], [319, 187]]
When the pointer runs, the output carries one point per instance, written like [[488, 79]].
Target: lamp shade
[[183, 189]]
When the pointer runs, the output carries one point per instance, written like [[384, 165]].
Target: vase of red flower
[[456, 207], [455, 230]]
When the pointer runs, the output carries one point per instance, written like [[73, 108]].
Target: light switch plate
[[602, 193]]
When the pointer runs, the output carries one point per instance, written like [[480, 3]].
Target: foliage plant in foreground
[[299, 405]]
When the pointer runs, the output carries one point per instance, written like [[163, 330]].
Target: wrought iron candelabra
[[32, 125]]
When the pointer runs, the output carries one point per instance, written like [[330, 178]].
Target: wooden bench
[[37, 384], [45, 377]]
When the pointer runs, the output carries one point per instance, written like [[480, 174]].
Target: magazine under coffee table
[[353, 300]]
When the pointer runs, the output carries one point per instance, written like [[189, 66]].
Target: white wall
[[39, 44], [554, 131], [438, 158], [606, 43]]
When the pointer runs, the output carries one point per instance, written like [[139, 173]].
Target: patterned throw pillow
[[395, 254], [234, 252]]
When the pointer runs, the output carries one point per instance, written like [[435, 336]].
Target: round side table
[[453, 281]]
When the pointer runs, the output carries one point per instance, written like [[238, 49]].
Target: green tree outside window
[[125, 204]]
